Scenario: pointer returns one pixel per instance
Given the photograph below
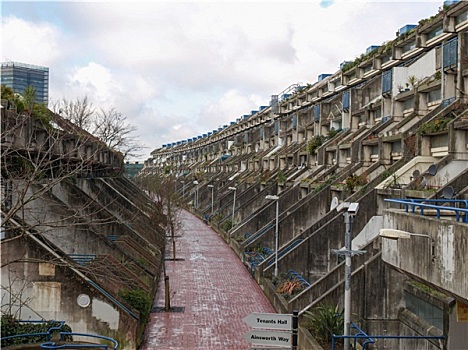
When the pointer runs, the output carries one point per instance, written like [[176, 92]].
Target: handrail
[[296, 275], [285, 250], [28, 335], [373, 338], [257, 234], [438, 208], [52, 345]]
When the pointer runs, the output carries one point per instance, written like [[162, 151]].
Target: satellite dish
[[416, 174], [432, 170], [423, 183], [448, 192], [334, 203]]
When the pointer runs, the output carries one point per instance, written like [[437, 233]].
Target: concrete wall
[[49, 289], [445, 265]]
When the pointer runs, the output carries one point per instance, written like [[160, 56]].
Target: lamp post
[[350, 211], [196, 193], [275, 198], [233, 205], [212, 198], [183, 189]]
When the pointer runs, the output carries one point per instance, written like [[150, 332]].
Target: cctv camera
[[353, 208]]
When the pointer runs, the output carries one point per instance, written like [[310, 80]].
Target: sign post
[[278, 330]]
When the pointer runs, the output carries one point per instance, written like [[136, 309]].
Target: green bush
[[325, 320], [139, 300], [315, 143], [11, 326]]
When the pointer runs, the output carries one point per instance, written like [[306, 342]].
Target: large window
[[433, 96], [428, 312], [435, 32], [450, 53], [461, 18], [408, 104]]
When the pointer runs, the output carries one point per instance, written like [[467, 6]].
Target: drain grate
[[176, 309]]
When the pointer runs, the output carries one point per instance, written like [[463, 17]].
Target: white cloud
[[180, 69], [36, 43]]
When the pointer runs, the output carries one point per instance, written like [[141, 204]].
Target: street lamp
[[183, 189], [275, 198], [196, 193], [233, 205], [212, 197], [397, 234], [350, 211]]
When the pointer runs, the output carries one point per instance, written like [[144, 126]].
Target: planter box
[[306, 341]]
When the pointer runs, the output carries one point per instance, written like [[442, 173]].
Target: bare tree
[[113, 128], [161, 190], [110, 126], [80, 112]]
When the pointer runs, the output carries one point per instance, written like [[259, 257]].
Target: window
[[433, 96], [377, 113], [435, 32], [408, 47], [450, 53], [346, 101], [408, 104], [428, 312], [387, 82], [367, 69], [461, 18]]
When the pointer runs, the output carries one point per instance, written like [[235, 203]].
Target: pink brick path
[[216, 290]]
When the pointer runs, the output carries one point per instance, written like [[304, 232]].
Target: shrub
[[10, 326], [138, 299], [326, 320]]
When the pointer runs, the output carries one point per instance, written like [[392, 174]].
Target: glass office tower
[[18, 76]]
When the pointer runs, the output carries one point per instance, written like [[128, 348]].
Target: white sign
[[269, 321], [261, 337]]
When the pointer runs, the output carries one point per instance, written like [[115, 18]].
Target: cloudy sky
[[178, 69]]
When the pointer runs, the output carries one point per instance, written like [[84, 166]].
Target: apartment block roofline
[[23, 65]]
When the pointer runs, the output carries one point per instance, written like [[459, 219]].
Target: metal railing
[[295, 275], [258, 234], [372, 339], [422, 204], [285, 250], [53, 345], [66, 338]]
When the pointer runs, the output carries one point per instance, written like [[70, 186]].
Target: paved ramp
[[211, 292]]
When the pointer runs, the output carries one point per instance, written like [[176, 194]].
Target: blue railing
[[448, 101], [295, 275], [359, 335], [285, 250], [253, 259], [53, 345], [257, 234], [372, 339], [460, 213], [82, 259], [47, 335], [64, 337]]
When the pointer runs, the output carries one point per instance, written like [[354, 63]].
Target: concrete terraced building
[[79, 241], [388, 131]]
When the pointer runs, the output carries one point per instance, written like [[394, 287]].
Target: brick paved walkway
[[212, 293]]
